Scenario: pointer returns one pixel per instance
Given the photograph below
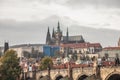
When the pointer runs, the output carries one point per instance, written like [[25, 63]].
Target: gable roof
[[74, 38]]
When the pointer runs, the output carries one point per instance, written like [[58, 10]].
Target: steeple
[[53, 33], [58, 35], [48, 37], [58, 28], [6, 46], [67, 36]]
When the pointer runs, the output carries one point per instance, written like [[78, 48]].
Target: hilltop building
[[58, 38], [87, 48], [24, 50], [70, 44], [28, 50]]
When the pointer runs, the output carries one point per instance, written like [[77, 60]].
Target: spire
[[67, 36], [58, 28], [48, 38], [53, 33], [6, 46]]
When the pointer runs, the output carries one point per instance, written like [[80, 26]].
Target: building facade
[[90, 48], [50, 50], [25, 49], [110, 52]]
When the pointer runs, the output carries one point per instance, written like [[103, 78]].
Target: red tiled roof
[[111, 48], [81, 45], [95, 45]]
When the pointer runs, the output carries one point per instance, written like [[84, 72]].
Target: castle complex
[[57, 37]]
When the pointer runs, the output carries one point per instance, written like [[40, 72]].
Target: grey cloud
[[101, 35], [75, 3], [95, 3]]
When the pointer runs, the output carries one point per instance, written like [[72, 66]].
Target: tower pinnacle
[[53, 33], [48, 37], [58, 28], [67, 36]]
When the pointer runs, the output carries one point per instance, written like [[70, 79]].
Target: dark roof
[[74, 38]]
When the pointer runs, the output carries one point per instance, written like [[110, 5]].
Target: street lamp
[[48, 68]]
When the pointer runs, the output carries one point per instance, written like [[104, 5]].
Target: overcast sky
[[17, 16]]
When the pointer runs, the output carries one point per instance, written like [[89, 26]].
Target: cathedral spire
[[53, 33], [48, 37], [58, 28], [67, 36]]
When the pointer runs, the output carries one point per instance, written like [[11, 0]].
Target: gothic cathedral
[[57, 37]]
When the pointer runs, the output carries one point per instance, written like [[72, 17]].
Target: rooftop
[[81, 45]]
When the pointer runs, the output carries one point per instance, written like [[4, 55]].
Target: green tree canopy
[[9, 68], [45, 63]]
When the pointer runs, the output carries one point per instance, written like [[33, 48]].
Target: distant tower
[[6, 46], [58, 27], [58, 35], [53, 34], [119, 42], [48, 37], [67, 36]]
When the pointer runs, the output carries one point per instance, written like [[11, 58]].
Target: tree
[[10, 69], [0, 53], [45, 62]]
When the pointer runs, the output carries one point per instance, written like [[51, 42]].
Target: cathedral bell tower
[[48, 37], [58, 35], [67, 36]]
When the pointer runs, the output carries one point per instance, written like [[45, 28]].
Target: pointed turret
[[67, 36], [53, 33], [6, 46], [58, 35], [58, 28], [48, 38]]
